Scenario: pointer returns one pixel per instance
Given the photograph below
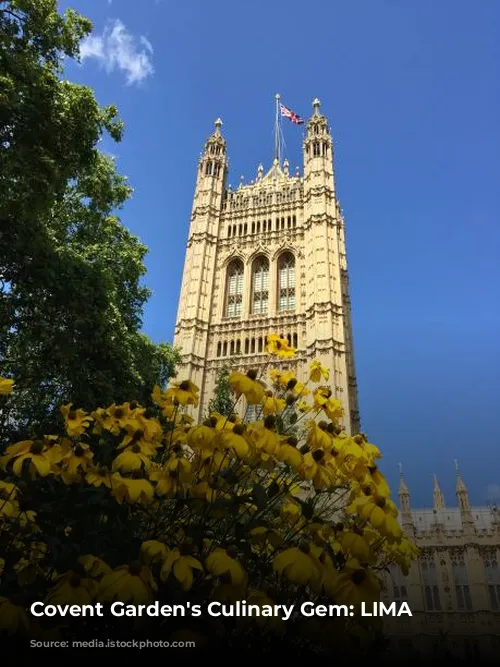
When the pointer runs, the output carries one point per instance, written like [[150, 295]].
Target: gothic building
[[453, 589], [268, 257]]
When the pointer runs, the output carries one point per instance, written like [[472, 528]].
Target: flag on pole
[[288, 113]]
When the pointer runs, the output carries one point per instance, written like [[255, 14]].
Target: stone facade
[[453, 590], [269, 257]]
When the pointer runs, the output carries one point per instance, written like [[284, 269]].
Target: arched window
[[234, 289], [286, 282], [260, 286]]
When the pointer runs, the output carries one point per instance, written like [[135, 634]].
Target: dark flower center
[[119, 413], [79, 451], [72, 414], [381, 502], [358, 577], [318, 455], [135, 568], [37, 447], [270, 422], [292, 441], [239, 429], [184, 386], [252, 374], [291, 383], [138, 435], [75, 581]]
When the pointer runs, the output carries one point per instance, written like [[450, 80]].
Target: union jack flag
[[288, 113]]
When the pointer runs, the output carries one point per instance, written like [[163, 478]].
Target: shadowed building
[[453, 589]]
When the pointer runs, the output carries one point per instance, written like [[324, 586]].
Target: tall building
[[453, 589], [267, 257]]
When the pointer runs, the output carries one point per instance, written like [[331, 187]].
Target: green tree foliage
[[223, 398], [71, 293]]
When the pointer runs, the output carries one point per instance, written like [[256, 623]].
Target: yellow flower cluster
[[239, 508]]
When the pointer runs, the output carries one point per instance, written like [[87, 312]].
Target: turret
[[404, 502], [439, 503], [463, 502]]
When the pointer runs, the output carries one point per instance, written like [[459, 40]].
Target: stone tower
[[268, 257]]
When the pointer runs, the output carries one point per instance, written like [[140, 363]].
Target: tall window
[[493, 579], [399, 591], [286, 282], [431, 587], [461, 582], [234, 289], [260, 286]]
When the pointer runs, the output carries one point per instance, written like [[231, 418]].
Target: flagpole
[[277, 150]]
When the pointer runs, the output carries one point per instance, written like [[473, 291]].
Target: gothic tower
[[269, 257]]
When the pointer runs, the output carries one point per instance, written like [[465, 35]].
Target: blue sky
[[412, 93]]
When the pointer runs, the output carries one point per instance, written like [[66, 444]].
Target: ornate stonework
[[453, 590], [267, 257]]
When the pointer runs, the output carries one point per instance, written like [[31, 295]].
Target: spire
[[218, 125], [316, 106], [403, 489], [404, 503], [438, 496], [461, 490]]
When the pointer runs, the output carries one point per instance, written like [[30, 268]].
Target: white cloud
[[117, 49]]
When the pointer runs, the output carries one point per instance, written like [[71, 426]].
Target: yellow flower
[[184, 393], [131, 459], [380, 512], [314, 468], [297, 565], [221, 563], [76, 421], [132, 489], [272, 405], [153, 551], [140, 439], [76, 462], [356, 546], [12, 617], [128, 583], [332, 407], [233, 440], [6, 386], [98, 477], [288, 453], [200, 438], [33, 451], [356, 584], [319, 436], [182, 566], [93, 566], [72, 589], [291, 512], [279, 346], [248, 386], [318, 371]]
